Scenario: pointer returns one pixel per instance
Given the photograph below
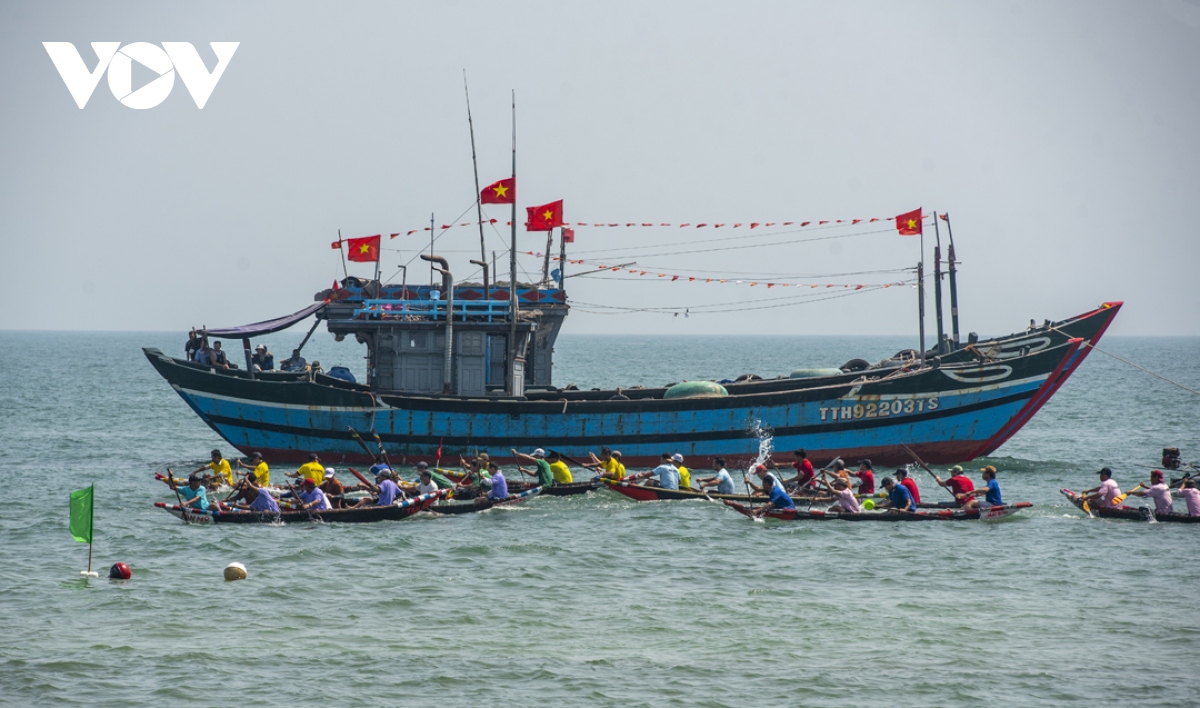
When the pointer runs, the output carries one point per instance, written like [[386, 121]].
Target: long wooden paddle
[[371, 486], [171, 484], [925, 467], [361, 443], [1121, 497], [382, 449]]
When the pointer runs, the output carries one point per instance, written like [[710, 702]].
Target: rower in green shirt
[[544, 475]]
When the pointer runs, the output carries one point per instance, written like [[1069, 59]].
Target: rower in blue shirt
[[668, 476], [990, 492], [899, 498], [777, 497]]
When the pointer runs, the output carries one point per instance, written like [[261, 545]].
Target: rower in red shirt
[[804, 470], [909, 484], [866, 476], [958, 484]]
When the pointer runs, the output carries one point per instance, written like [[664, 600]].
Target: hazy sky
[[1061, 136]]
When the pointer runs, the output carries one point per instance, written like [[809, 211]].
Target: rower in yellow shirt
[[313, 469], [221, 470], [608, 464], [685, 476], [562, 473], [262, 473]]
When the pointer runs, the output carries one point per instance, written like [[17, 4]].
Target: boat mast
[[937, 284], [478, 200], [921, 305], [512, 266], [546, 262], [953, 285]]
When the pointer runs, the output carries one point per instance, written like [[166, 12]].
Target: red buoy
[[120, 571]]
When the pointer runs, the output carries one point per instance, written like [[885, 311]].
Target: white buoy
[[235, 571], [89, 574]]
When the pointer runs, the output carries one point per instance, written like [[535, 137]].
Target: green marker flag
[[82, 514]]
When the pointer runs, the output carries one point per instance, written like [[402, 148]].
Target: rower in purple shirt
[[499, 483]]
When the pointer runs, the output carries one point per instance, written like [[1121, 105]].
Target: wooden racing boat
[[359, 515], [472, 506], [1133, 513], [638, 492], [995, 512]]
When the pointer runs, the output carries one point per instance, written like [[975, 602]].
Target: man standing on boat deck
[[219, 359], [194, 344], [909, 484], [562, 473], [898, 497], [261, 472], [311, 469], [990, 492], [866, 477], [958, 483], [1159, 492], [777, 498], [668, 476], [220, 468], [721, 480], [1107, 492], [685, 475], [544, 474]]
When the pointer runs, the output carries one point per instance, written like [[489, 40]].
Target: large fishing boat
[[459, 368]]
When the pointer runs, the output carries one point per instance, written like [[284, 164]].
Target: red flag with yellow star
[[363, 250], [909, 224], [545, 217], [501, 192]]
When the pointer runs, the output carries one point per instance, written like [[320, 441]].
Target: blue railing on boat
[[432, 309]]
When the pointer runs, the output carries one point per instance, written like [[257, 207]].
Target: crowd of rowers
[[900, 491], [1108, 492], [318, 488], [481, 479]]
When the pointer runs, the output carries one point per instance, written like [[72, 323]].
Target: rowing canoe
[[1133, 513], [639, 493], [470, 507], [356, 515], [994, 512]]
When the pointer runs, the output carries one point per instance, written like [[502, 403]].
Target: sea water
[[591, 599]]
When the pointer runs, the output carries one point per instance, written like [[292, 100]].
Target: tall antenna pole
[[431, 223], [342, 251], [921, 306], [937, 285], [475, 164], [512, 266], [953, 285]]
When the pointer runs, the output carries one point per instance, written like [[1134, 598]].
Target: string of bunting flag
[[907, 224], [600, 268]]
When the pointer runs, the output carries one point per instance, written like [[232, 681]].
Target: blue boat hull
[[948, 414]]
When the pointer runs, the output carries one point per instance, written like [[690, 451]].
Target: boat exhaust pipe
[[443, 267]]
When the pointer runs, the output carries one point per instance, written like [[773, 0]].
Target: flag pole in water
[[82, 515]]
